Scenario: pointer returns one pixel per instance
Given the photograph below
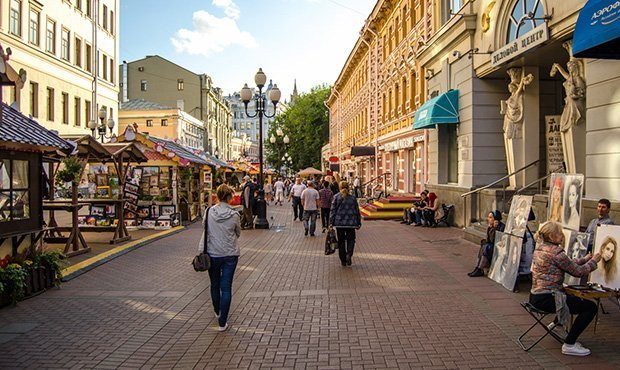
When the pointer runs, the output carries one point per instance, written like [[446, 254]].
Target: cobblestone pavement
[[405, 303]]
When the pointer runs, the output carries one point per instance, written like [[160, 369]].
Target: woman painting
[[549, 265], [345, 217], [608, 261], [224, 228], [556, 208], [571, 211]]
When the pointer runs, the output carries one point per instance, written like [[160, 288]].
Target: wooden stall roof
[[129, 151], [88, 147]]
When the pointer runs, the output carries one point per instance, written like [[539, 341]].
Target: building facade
[[69, 52], [158, 80], [163, 122]]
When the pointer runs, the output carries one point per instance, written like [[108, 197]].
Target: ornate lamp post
[[102, 128], [274, 95]]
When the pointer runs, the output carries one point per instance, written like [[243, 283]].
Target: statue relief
[[512, 108], [574, 87]]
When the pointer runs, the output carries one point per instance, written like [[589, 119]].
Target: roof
[[127, 151], [178, 150], [141, 104], [154, 156], [17, 128], [88, 147]]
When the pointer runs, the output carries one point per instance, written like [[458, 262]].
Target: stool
[[539, 316]]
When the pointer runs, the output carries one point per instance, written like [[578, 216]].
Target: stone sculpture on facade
[[574, 103]]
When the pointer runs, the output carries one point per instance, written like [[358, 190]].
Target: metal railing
[[369, 189], [500, 180]]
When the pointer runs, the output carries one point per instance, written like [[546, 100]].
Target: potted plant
[[53, 263], [71, 171], [13, 278]]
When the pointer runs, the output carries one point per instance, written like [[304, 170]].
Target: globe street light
[[274, 95], [102, 128]]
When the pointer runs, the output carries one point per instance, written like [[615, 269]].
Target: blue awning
[[597, 33], [441, 109]]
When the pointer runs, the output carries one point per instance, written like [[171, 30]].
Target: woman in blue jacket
[[345, 217]]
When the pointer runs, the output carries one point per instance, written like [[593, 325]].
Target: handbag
[[331, 242], [202, 262]]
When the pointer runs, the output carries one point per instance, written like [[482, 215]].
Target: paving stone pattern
[[405, 303]]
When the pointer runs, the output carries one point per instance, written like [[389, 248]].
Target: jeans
[[298, 209], [584, 309], [310, 220], [429, 217], [221, 274], [346, 242], [325, 217]]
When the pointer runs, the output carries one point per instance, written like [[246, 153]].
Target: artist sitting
[[602, 212], [432, 212], [414, 214], [548, 267], [487, 245]]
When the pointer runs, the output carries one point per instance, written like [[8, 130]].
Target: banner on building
[[555, 155]]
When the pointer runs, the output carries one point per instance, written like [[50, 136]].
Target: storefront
[[405, 162]]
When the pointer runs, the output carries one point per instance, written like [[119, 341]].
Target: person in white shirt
[[279, 186], [310, 203], [356, 186], [295, 194]]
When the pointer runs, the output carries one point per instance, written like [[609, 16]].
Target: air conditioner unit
[[141, 69]]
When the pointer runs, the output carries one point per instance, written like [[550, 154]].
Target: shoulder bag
[[202, 262]]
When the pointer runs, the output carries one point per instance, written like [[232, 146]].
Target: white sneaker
[[225, 327], [574, 350]]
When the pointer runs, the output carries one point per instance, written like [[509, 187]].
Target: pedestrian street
[[406, 302]]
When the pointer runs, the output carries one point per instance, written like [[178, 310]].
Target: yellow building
[[161, 121], [54, 42]]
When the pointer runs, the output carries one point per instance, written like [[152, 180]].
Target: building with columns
[[68, 51]]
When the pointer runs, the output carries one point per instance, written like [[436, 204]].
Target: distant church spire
[[294, 95]]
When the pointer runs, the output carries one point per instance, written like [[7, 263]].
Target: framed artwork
[[148, 224], [575, 246], [518, 215], [505, 262], [131, 187], [110, 209], [154, 180], [131, 206], [167, 210], [103, 222], [116, 192], [175, 219], [164, 224], [136, 175], [96, 210], [132, 197], [164, 192], [127, 214], [102, 179], [606, 243], [91, 220], [154, 211], [104, 192], [154, 191], [82, 220], [144, 212], [101, 169], [556, 197], [115, 222], [130, 222], [573, 190]]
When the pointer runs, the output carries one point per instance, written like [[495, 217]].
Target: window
[[78, 4], [143, 85], [34, 99], [105, 67], [112, 22], [88, 55], [105, 17], [149, 123], [89, 9], [78, 52], [77, 104], [180, 85], [15, 21], [65, 108], [33, 34], [14, 190], [521, 22], [87, 111], [164, 122], [112, 70], [50, 37], [50, 104], [64, 44]]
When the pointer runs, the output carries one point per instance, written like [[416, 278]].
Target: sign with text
[[519, 46], [555, 155]]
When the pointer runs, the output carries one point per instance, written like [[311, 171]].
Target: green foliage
[[307, 125], [54, 261], [13, 280], [71, 171]]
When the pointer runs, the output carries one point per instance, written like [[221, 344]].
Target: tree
[[307, 125]]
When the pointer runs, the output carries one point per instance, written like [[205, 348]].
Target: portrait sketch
[[606, 243], [518, 215], [573, 185], [575, 246], [555, 210], [506, 256]]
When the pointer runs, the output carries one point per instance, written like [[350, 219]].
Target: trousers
[[221, 274], [346, 242]]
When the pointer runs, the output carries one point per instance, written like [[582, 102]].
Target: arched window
[[526, 15]]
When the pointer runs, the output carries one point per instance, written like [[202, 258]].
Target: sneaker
[[223, 328], [311, 234], [306, 232], [574, 350], [476, 273], [348, 260]]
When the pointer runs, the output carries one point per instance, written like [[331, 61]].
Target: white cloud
[[230, 9], [212, 34]]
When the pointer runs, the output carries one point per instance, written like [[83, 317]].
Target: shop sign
[[401, 144], [519, 46], [417, 139], [333, 159], [555, 155]]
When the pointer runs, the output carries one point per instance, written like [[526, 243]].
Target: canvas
[[573, 190], [556, 197], [505, 263], [519, 212], [575, 246], [606, 243]]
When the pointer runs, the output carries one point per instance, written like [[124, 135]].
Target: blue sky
[[230, 39]]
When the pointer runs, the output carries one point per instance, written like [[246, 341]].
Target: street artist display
[[505, 262], [565, 192], [575, 246], [606, 243], [518, 215]]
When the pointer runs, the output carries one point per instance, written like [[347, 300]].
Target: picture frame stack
[[130, 193], [103, 215]]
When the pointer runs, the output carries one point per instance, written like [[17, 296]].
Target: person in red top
[[549, 265]]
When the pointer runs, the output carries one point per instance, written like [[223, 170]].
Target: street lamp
[[274, 95], [102, 128]]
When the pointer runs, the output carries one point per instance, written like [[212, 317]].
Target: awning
[[361, 151], [441, 109], [597, 32]]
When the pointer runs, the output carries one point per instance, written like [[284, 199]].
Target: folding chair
[[539, 316]]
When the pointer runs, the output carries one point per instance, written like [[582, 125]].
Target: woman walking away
[[549, 265], [325, 201], [345, 217], [224, 228]]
